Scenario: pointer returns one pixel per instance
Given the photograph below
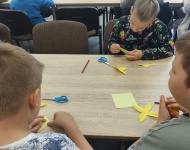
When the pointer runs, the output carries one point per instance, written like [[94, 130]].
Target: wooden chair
[[19, 24], [86, 15], [108, 29], [60, 37], [5, 33]]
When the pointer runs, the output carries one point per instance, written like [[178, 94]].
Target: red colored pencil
[[85, 66]]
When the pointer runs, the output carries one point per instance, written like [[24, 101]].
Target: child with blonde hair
[[141, 33], [20, 96]]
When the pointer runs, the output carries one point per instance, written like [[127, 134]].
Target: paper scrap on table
[[42, 104], [145, 112], [44, 124], [146, 65], [123, 100], [120, 69]]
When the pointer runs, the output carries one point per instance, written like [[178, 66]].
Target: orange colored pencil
[[171, 110]]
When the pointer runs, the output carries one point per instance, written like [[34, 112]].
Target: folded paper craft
[[42, 104], [120, 69], [44, 124], [146, 65], [145, 112], [125, 51]]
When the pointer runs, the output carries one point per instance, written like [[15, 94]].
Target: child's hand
[[172, 104], [65, 121], [134, 55], [36, 124], [115, 48], [62, 120], [164, 113]]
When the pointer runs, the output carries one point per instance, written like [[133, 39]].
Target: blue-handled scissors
[[59, 99], [103, 60]]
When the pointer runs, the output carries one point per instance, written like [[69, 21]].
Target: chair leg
[[28, 50], [103, 21], [106, 10], [17, 43], [100, 40], [111, 13]]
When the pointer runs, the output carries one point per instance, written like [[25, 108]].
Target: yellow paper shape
[[125, 51], [120, 69], [123, 100], [42, 104], [146, 65], [44, 124], [145, 112]]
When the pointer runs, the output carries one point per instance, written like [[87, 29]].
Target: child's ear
[[34, 98]]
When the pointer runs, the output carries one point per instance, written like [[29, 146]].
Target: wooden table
[[95, 3], [90, 93], [104, 2]]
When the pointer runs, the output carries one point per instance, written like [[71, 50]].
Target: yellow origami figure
[[120, 69], [145, 112], [146, 65], [42, 104], [125, 51]]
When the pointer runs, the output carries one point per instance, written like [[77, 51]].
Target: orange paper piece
[[145, 112], [146, 65], [120, 69]]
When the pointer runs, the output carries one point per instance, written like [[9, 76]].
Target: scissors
[[59, 99], [103, 60]]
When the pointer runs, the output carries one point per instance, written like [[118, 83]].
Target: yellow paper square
[[123, 100], [44, 124]]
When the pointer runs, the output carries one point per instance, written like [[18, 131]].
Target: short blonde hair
[[146, 9], [20, 74]]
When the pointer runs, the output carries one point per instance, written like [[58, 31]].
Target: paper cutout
[[44, 124], [145, 112], [120, 69], [146, 65], [125, 51], [42, 104], [123, 100]]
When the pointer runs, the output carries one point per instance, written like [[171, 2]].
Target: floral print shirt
[[48, 141], [154, 41]]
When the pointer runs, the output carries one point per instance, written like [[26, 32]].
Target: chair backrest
[[60, 37], [165, 14], [87, 15], [17, 21], [108, 29], [5, 33], [1, 1]]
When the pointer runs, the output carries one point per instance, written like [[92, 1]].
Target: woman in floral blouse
[[141, 33]]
